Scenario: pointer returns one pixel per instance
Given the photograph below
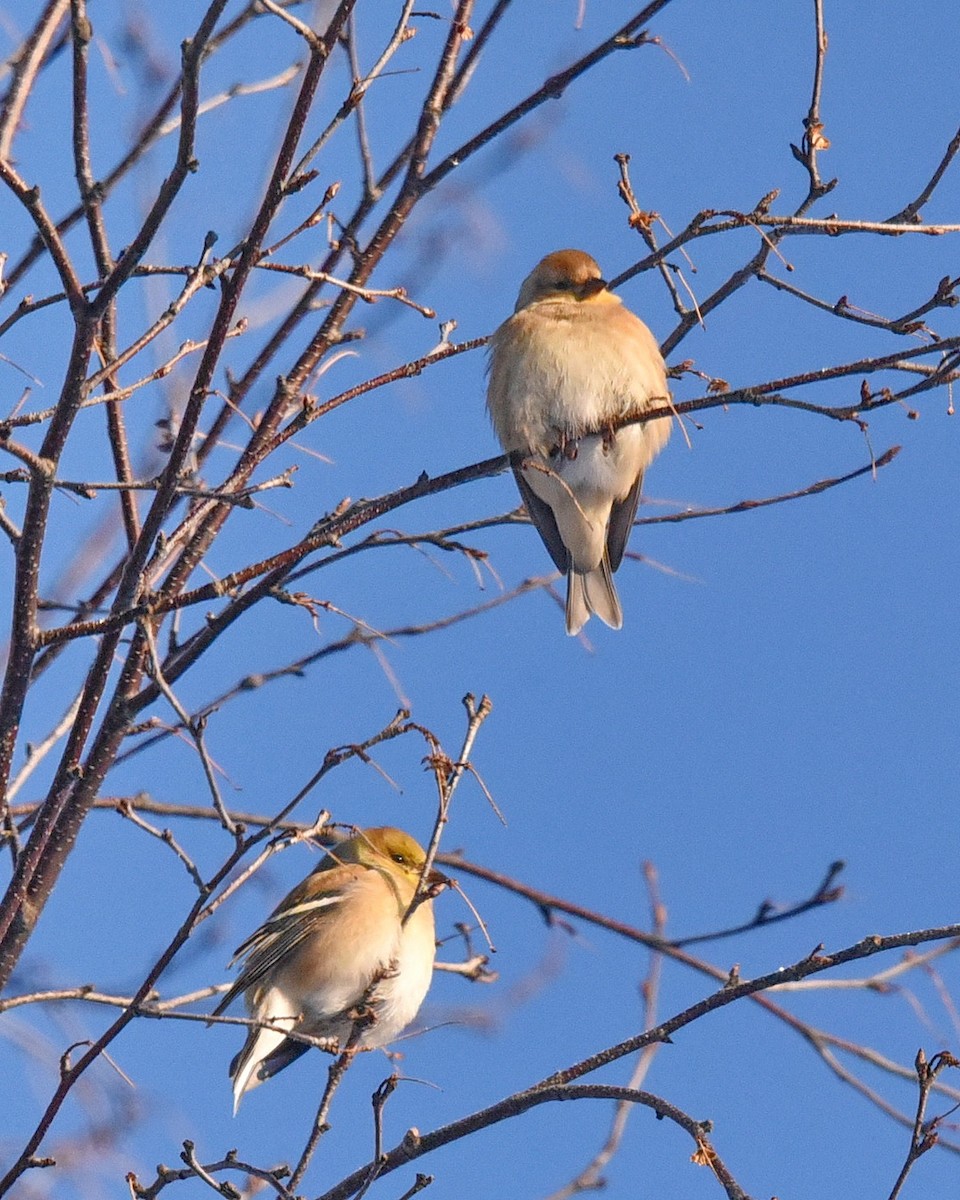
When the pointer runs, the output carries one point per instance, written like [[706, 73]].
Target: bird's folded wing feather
[[621, 522], [276, 939], [541, 514]]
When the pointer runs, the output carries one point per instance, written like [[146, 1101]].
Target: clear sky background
[[784, 690]]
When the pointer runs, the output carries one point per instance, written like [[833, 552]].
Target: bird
[[568, 365], [339, 942]]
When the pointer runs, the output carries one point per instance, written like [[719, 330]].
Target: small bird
[[338, 941], [564, 369]]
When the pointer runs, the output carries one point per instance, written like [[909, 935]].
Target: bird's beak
[[592, 288], [438, 879]]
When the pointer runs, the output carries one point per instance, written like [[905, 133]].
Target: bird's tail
[[592, 593], [265, 1047], [246, 1066]]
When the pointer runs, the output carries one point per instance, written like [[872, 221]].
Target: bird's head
[[563, 275], [385, 845]]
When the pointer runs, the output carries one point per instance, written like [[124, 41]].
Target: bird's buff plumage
[[569, 364], [337, 941]]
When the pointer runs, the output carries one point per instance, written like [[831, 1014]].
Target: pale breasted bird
[[338, 941], [570, 364]]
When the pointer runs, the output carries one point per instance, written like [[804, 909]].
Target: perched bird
[[337, 940], [570, 363]]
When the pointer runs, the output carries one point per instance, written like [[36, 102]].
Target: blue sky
[[784, 690]]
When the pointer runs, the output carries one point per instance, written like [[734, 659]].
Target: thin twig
[[768, 913], [166, 837], [591, 1177], [925, 1133], [194, 728]]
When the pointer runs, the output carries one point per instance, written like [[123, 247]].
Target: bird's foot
[[566, 447]]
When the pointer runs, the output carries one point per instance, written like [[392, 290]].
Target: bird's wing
[[277, 938], [621, 522], [541, 514]]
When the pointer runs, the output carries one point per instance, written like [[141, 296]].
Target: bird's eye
[[400, 858]]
